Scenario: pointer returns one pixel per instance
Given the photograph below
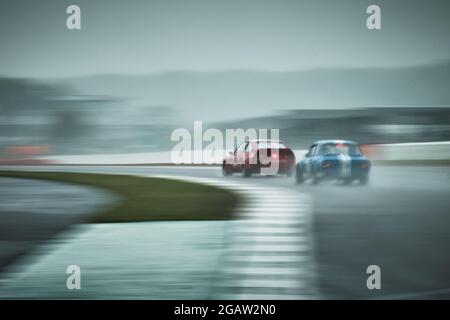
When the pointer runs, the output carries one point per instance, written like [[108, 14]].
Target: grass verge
[[146, 199]]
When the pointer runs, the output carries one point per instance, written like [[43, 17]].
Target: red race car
[[269, 157]]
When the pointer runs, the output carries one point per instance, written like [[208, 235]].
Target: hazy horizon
[[225, 71]]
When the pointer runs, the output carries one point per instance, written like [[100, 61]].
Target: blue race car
[[333, 159]]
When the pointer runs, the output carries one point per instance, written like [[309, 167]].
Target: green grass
[[146, 199]]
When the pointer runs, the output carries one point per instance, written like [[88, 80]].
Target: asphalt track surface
[[400, 222]]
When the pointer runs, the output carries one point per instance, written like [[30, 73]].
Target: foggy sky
[[144, 36]]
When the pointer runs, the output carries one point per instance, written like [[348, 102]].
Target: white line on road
[[269, 252]]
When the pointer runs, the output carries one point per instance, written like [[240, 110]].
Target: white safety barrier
[[409, 151], [396, 151]]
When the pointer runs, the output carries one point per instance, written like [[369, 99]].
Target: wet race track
[[316, 242]]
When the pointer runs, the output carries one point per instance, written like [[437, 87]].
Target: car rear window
[[340, 148], [270, 145]]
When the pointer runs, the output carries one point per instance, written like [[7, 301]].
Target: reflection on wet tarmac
[[154, 260], [32, 211]]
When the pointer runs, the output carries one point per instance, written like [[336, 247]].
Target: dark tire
[[246, 173], [346, 182], [364, 180], [225, 172], [299, 178], [315, 180]]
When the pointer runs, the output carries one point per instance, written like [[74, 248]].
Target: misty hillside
[[236, 94]]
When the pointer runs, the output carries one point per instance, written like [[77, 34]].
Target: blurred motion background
[[42, 117], [130, 76], [138, 70]]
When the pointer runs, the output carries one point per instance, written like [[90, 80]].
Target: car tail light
[[274, 156], [325, 165]]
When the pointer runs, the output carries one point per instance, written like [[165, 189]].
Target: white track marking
[[270, 215], [291, 210], [275, 285], [264, 239], [266, 272], [272, 222], [291, 229], [269, 250], [267, 297], [275, 258]]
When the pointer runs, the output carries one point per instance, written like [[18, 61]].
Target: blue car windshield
[[340, 148]]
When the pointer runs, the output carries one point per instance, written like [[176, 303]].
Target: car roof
[[265, 140], [335, 141]]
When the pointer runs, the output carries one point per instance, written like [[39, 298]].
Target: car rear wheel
[[315, 179], [246, 173], [299, 178], [364, 180], [347, 181], [226, 172]]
